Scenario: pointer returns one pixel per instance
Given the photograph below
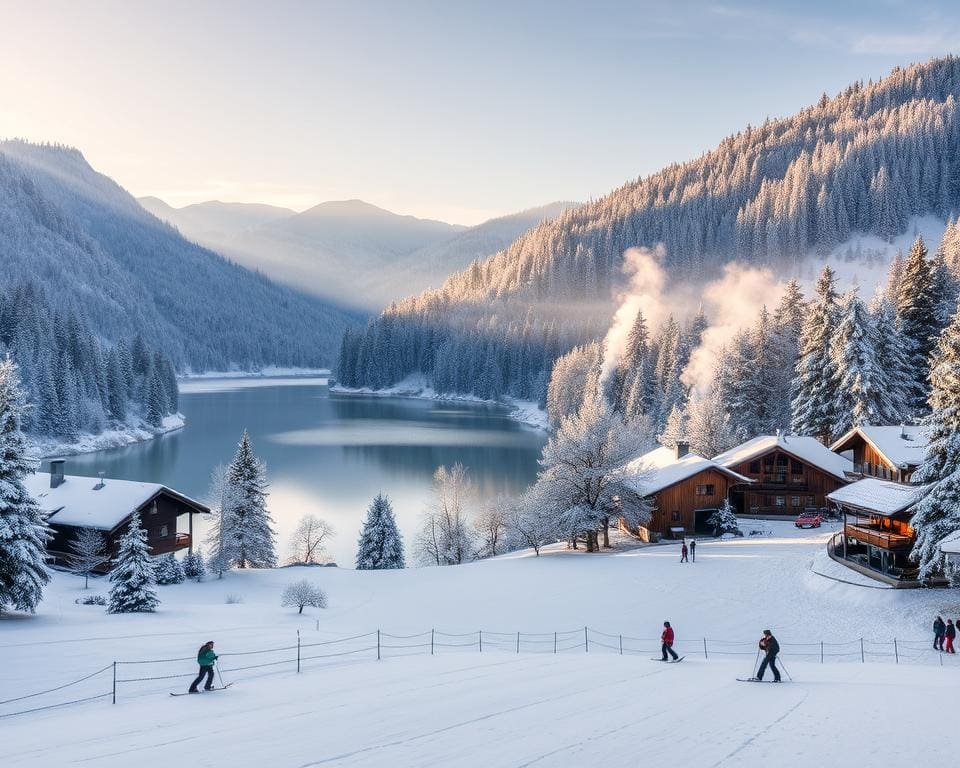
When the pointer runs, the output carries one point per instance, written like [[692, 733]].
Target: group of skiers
[[691, 550], [944, 635]]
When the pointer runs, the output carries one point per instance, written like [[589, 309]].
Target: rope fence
[[110, 681]]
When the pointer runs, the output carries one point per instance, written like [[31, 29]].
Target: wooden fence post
[[586, 641], [378, 645], [481, 641], [896, 652], [114, 682], [862, 660], [431, 642], [705, 649], [621, 645], [821, 651], [518, 642], [298, 651], [555, 645]]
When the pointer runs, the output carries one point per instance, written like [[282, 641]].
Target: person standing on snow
[[666, 640], [939, 629], [205, 658], [770, 647], [693, 550], [949, 634], [683, 552]]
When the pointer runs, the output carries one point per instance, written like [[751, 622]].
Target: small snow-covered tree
[[724, 520], [309, 540], [133, 573], [252, 531], [490, 525], [380, 545], [88, 551], [445, 536], [302, 594], [708, 424], [23, 531], [937, 514], [221, 538], [528, 523], [168, 570], [193, 565]]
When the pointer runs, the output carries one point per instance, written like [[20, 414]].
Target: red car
[[809, 520]]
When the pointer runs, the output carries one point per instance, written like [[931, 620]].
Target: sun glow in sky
[[451, 110]]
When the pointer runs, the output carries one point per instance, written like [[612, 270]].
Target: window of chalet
[[707, 489], [163, 531], [780, 501], [796, 467], [676, 516], [754, 467], [782, 460], [795, 501]]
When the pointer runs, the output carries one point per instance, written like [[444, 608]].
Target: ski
[[669, 661], [187, 693], [755, 680]]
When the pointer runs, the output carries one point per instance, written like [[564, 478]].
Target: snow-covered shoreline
[[265, 372], [525, 411], [46, 448]]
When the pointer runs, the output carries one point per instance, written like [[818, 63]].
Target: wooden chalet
[[876, 538], [72, 502], [686, 490], [789, 474], [887, 452]]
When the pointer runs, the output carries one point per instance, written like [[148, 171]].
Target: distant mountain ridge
[[358, 252], [866, 161], [96, 252]]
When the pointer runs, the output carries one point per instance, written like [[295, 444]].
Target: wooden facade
[[784, 484], [683, 508], [868, 461]]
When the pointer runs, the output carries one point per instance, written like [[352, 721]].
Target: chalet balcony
[[781, 480], [170, 544], [878, 538]]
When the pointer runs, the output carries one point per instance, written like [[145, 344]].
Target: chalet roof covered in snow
[[951, 544], [900, 445], [78, 502], [807, 449], [881, 497], [660, 468]]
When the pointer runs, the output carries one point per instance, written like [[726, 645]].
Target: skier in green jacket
[[205, 658]]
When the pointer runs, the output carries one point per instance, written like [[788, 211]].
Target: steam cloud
[[731, 303]]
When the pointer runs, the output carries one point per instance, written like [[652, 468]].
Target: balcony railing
[[878, 538]]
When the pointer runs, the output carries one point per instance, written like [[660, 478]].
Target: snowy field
[[464, 707]]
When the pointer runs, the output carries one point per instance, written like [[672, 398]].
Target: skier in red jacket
[[667, 641]]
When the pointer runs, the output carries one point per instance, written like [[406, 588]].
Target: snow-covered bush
[[91, 600], [233, 599], [168, 570], [301, 594], [193, 566]]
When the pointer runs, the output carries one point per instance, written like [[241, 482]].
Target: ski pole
[[756, 661], [220, 675], [785, 670]]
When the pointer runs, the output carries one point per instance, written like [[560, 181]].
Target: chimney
[[903, 431], [683, 448], [56, 473]]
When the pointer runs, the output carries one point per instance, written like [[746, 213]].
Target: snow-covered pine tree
[[937, 514], [88, 551], [193, 565], [917, 322], [861, 385], [724, 520], [380, 545], [133, 573], [168, 570], [814, 392], [253, 536], [708, 424], [891, 360], [23, 531], [787, 326]]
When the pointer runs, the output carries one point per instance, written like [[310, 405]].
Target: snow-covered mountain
[[349, 250], [869, 162], [95, 252]]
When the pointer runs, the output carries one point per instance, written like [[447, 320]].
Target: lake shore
[[48, 448]]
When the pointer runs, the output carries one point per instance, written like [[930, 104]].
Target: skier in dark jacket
[[693, 550], [683, 553], [205, 658], [666, 641], [939, 630], [770, 647]]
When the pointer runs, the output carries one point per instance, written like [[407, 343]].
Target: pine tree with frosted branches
[[253, 536], [862, 389], [675, 430], [380, 545], [814, 393], [133, 574], [168, 570], [917, 321], [23, 531], [892, 360], [937, 514]]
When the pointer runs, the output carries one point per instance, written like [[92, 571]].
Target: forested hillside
[[864, 161], [96, 255]]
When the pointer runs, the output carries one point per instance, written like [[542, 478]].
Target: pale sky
[[451, 110]]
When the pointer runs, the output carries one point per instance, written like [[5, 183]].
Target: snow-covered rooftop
[[882, 497], [900, 445], [807, 449], [660, 468], [951, 544], [78, 502]]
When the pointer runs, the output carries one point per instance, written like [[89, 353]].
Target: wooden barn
[[789, 474], [886, 452], [686, 490], [72, 502]]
